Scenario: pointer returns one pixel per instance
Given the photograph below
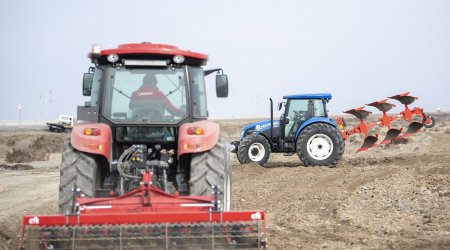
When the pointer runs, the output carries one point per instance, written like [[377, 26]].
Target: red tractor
[[144, 167]]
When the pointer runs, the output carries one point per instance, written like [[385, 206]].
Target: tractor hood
[[258, 127]]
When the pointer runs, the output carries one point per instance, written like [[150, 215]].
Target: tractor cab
[[300, 109], [145, 92]]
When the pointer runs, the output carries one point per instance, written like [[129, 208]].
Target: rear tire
[[320, 144], [254, 148], [210, 168], [77, 169]]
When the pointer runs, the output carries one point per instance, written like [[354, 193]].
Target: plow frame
[[385, 120]]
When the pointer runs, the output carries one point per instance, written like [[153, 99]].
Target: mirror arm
[[210, 71]]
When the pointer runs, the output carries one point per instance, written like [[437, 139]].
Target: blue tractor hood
[[258, 127]]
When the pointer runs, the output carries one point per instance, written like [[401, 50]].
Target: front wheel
[[210, 168], [254, 148], [320, 144]]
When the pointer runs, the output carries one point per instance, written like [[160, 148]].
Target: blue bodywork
[[326, 96], [315, 120], [262, 127], [259, 127]]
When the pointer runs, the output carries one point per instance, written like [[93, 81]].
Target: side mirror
[[221, 86], [87, 83], [280, 105]]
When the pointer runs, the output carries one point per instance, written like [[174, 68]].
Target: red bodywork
[[144, 205], [197, 143], [149, 48], [94, 144], [187, 143]]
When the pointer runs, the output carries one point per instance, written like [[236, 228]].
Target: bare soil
[[394, 197]]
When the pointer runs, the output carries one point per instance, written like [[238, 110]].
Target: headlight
[[178, 59], [113, 58]]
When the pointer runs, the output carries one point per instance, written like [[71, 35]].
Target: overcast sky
[[359, 51]]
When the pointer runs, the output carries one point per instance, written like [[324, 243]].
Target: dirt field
[[396, 197]]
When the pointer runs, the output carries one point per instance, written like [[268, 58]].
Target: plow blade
[[413, 128], [226, 230], [404, 98], [360, 113], [369, 142], [391, 135], [382, 105]]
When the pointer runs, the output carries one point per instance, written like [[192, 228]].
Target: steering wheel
[[298, 115]]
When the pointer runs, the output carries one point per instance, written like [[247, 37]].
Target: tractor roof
[[151, 48], [148, 51], [326, 96]]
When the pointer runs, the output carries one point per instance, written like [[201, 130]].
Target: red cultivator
[[145, 218], [416, 118]]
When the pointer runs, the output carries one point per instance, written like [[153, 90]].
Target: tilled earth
[[397, 197]]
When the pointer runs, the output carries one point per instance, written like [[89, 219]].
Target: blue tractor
[[304, 128]]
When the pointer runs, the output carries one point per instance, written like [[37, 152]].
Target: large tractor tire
[[320, 144], [254, 148], [210, 168], [77, 169]]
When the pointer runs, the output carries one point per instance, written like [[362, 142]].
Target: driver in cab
[[148, 100]]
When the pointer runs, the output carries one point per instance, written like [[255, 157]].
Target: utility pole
[[19, 107], [46, 98]]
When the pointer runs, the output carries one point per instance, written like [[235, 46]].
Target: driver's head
[[149, 80]]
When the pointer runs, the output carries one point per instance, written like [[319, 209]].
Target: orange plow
[[415, 116]]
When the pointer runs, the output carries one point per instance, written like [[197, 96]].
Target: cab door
[[297, 112]]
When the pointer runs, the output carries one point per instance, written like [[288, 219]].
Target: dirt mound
[[28, 147]]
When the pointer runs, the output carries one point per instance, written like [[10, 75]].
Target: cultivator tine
[[382, 105], [209, 235], [404, 98], [369, 142], [413, 128], [392, 134]]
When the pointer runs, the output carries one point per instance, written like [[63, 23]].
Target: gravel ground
[[397, 197]]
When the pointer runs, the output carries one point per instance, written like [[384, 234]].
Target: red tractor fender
[[99, 142], [194, 143]]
